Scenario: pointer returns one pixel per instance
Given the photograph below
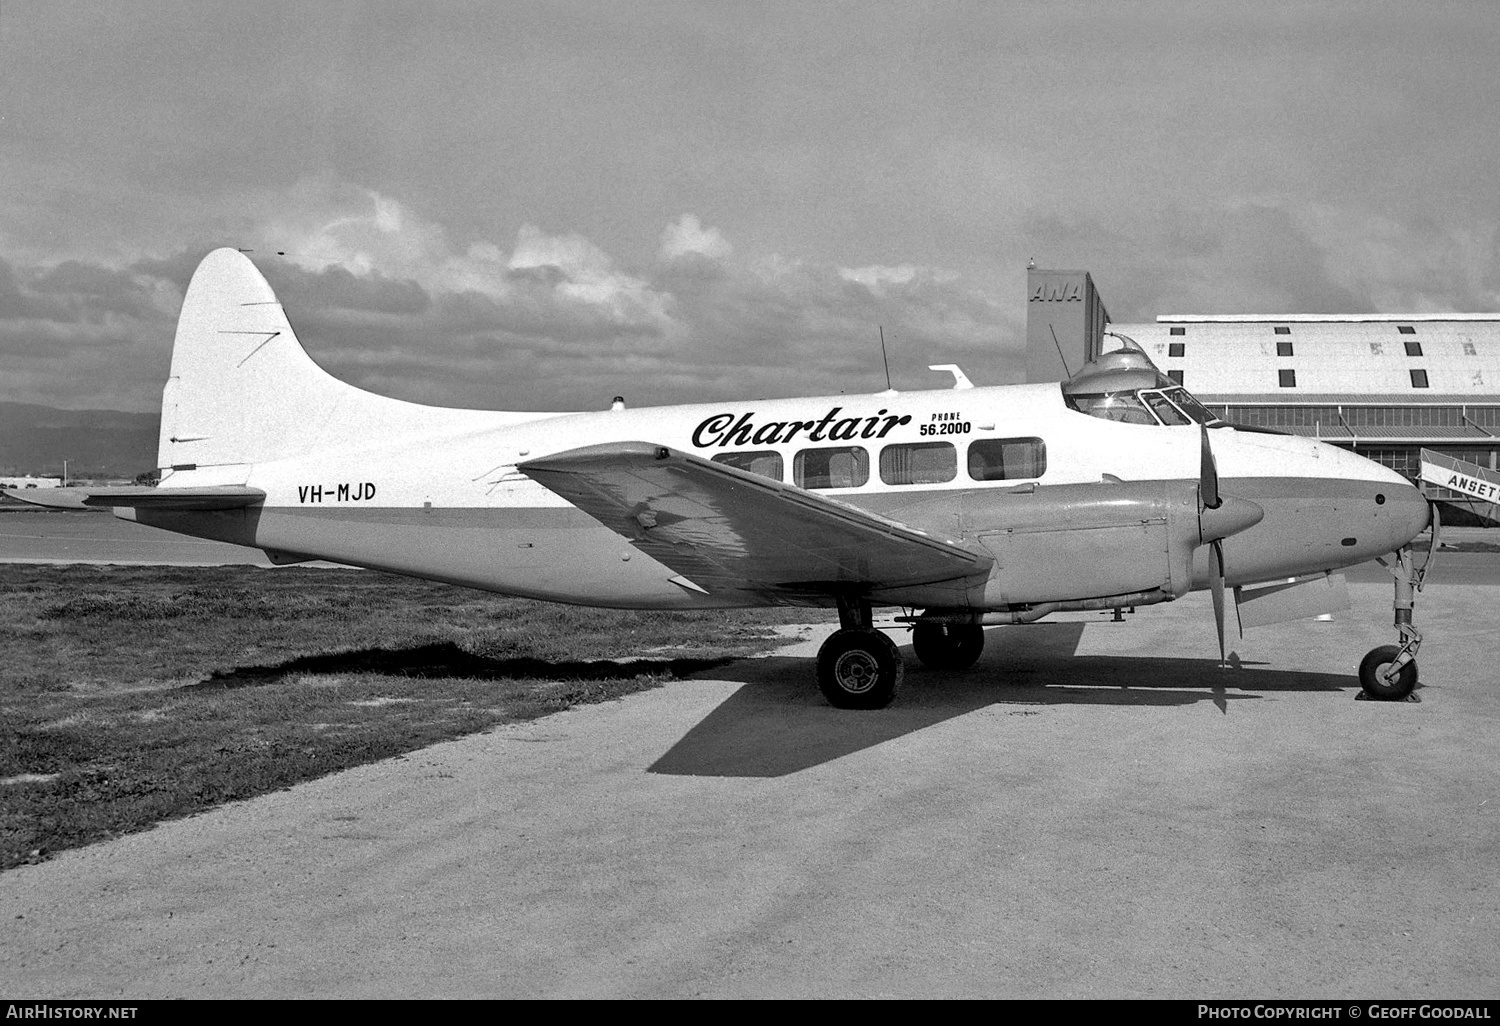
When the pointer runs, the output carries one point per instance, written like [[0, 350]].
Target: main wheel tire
[[947, 646], [1376, 686], [859, 668]]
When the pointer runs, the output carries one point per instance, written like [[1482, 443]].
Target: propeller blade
[[1216, 585], [1208, 474]]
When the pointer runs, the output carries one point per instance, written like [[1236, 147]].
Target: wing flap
[[727, 529], [179, 499]]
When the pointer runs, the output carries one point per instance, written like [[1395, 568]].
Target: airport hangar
[[1384, 385]]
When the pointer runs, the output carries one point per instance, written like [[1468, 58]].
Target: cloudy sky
[[534, 205]]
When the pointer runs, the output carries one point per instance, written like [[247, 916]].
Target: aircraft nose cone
[[1410, 513], [1231, 516]]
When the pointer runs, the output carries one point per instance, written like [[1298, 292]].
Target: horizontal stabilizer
[[180, 499], [725, 529]]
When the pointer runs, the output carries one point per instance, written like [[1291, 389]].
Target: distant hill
[[96, 443]]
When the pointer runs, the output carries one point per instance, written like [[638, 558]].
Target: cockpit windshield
[[1170, 406], [1125, 386]]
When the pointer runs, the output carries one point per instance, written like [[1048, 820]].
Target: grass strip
[[133, 695]]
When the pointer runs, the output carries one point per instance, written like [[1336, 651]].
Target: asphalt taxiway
[[1097, 809]]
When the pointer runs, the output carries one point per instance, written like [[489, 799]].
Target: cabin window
[[1287, 378], [844, 467], [918, 463], [1176, 349], [1413, 349], [1418, 379], [1406, 329], [1282, 329], [764, 464], [1007, 459], [1177, 331], [1283, 349], [1176, 376]]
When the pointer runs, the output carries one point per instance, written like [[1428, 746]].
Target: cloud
[[1423, 266], [386, 297], [876, 277], [550, 320], [687, 237], [76, 334]]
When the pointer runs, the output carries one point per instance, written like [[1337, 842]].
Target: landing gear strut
[[1389, 673], [858, 666]]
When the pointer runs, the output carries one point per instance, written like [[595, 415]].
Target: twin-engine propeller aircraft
[[976, 506]]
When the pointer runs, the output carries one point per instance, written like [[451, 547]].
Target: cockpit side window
[[1165, 411], [1184, 400]]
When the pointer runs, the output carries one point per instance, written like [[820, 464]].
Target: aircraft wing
[[729, 530], [176, 499]]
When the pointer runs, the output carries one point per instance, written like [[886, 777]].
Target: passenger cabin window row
[[915, 463]]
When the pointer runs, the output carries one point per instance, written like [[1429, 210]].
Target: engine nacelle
[[1072, 542]]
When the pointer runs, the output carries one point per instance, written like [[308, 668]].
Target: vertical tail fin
[[242, 389]]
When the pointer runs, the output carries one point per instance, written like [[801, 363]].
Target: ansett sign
[[1468, 485], [1460, 476]]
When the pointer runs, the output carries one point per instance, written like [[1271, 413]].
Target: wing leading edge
[[729, 530]]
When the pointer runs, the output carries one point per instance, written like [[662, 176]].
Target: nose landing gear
[[1389, 673]]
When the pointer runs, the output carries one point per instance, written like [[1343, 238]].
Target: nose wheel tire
[[859, 668], [947, 646], [1372, 678]]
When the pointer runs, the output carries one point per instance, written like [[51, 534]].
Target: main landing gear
[[947, 646], [1389, 673], [858, 666]]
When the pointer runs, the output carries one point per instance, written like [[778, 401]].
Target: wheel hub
[[856, 672]]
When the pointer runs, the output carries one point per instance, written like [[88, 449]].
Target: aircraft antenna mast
[[1068, 370], [884, 359]]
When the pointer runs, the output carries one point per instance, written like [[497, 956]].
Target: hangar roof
[[1301, 358]]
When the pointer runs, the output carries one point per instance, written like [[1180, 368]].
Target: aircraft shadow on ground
[[448, 660], [778, 723]]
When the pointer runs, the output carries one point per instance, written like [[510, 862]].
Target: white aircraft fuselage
[[451, 505]]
